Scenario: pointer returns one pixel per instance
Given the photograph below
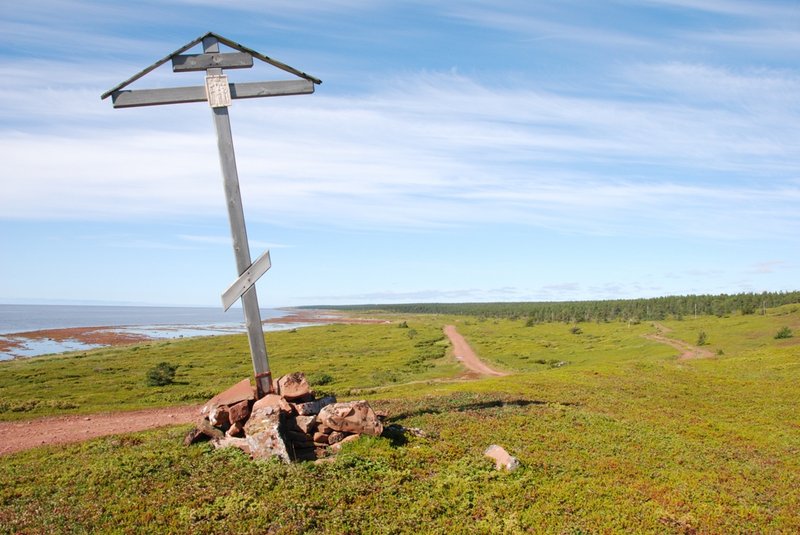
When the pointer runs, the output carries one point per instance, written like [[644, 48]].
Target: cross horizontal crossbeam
[[201, 62], [177, 95]]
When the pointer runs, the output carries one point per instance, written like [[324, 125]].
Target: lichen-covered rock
[[313, 407], [263, 433], [351, 417]]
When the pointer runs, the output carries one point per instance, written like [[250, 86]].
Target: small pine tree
[[702, 339], [784, 332], [161, 374]]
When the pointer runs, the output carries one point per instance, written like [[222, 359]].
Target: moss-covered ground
[[614, 433]]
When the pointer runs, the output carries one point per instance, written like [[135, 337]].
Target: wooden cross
[[219, 93]]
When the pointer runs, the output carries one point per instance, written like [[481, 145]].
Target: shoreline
[[64, 340]]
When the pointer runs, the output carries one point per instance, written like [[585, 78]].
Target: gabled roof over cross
[[185, 63]]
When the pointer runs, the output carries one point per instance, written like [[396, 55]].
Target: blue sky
[[456, 151]]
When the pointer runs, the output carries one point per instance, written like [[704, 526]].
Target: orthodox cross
[[219, 93]]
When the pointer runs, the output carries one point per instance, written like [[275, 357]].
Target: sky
[[456, 151]]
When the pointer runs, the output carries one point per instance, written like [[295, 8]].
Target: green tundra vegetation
[[614, 431]]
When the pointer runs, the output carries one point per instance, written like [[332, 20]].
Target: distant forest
[[657, 308]]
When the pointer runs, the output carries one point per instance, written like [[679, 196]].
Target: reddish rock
[[270, 400], [239, 412], [241, 391], [218, 416], [324, 429], [235, 430], [194, 436], [335, 437], [273, 400], [203, 429], [306, 424], [287, 407], [321, 438], [232, 442], [294, 386], [502, 459], [313, 407], [351, 417]]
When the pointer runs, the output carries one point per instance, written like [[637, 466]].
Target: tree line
[[656, 308]]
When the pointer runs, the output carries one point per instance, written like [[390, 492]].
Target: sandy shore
[[117, 335]]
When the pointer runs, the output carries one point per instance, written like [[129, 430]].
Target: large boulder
[[351, 417]]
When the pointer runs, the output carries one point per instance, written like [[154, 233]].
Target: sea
[[155, 322]]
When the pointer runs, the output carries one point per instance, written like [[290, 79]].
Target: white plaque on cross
[[218, 92]]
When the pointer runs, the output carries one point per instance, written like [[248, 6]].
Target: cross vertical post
[[241, 248], [219, 93]]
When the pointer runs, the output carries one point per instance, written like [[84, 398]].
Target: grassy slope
[[623, 438], [114, 378]]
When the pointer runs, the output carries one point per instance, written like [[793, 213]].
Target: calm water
[[156, 322], [23, 318]]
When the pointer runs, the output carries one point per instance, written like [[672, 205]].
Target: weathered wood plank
[[178, 95], [246, 280], [201, 62], [272, 89]]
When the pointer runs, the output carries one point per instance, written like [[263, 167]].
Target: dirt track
[[465, 354], [18, 436], [687, 350]]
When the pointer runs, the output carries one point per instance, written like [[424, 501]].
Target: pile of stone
[[290, 424]]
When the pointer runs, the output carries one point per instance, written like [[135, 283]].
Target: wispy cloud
[[445, 150], [227, 240], [749, 9], [771, 266]]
